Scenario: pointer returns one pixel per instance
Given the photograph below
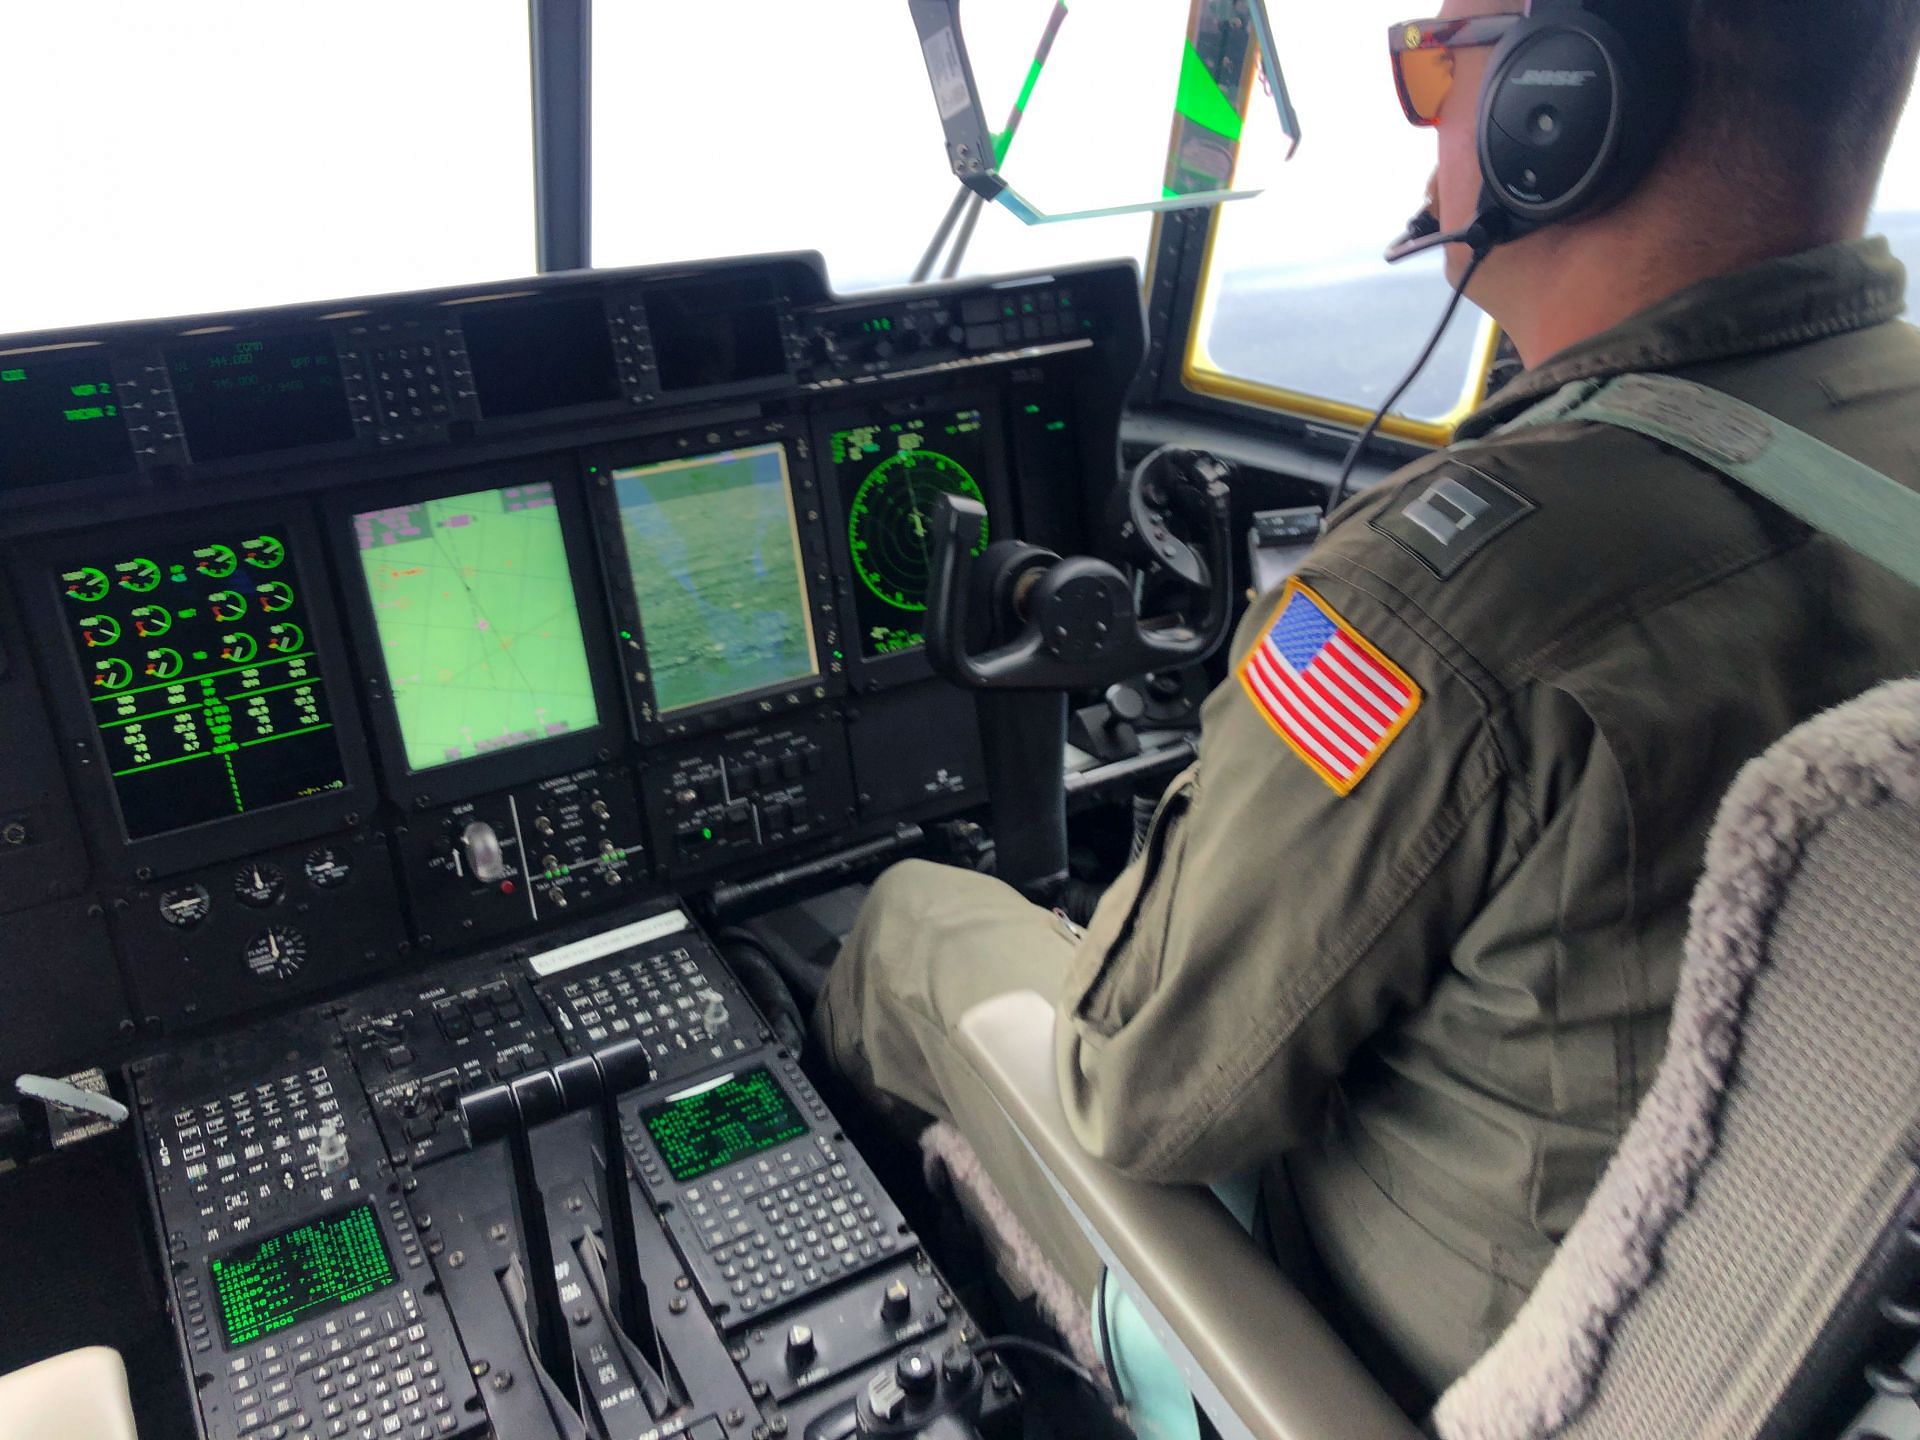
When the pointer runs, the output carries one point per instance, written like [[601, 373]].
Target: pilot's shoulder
[[1521, 540]]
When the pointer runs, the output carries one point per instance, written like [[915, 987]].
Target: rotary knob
[[916, 1373], [896, 1303], [801, 1348]]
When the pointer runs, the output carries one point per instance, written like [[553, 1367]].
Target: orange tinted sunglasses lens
[[1426, 79]]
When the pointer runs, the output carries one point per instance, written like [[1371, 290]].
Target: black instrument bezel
[[213, 841], [502, 769], [754, 707], [908, 667]]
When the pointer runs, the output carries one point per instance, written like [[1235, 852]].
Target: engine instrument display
[[891, 473], [300, 1273], [62, 422], [479, 624], [205, 688], [717, 1124], [254, 396], [713, 551]]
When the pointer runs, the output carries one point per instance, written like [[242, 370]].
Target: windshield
[[203, 154]]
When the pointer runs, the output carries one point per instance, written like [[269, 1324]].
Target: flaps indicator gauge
[[277, 952]]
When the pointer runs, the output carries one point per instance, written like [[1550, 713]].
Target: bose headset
[[1579, 100]]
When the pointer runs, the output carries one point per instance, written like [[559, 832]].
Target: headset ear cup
[[1576, 109]]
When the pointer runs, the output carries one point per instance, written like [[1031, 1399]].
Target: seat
[[1749, 1266], [80, 1395]]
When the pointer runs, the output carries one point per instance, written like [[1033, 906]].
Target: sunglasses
[[1422, 52]]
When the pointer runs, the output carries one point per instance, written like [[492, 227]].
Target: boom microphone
[[1423, 233]]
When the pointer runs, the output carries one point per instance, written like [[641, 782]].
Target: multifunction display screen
[[713, 550], [479, 626], [891, 474], [59, 420], [206, 690], [300, 1273], [719, 1124], [543, 354], [253, 396]]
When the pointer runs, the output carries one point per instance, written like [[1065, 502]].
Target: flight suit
[[1428, 964]]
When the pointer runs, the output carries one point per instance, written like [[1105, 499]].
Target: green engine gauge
[[890, 523], [216, 562], [86, 584], [139, 576]]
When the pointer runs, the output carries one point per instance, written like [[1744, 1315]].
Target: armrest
[[1259, 1358]]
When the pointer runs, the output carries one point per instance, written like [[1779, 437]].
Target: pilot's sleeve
[[1302, 883]]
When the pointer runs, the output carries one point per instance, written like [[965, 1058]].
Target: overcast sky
[[166, 156]]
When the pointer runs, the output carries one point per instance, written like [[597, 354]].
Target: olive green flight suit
[[1441, 996]]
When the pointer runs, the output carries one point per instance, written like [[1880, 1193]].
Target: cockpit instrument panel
[[202, 681], [719, 579], [473, 599], [61, 418], [260, 394], [890, 470], [395, 627]]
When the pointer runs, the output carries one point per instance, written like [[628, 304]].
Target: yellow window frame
[[1202, 376]]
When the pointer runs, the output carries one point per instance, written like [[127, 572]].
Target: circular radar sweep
[[890, 523]]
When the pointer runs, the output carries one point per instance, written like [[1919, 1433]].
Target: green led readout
[[300, 1272], [718, 1124]]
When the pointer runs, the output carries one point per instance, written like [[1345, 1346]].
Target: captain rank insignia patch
[[1335, 699]]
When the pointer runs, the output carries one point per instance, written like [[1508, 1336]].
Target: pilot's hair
[[1811, 92]]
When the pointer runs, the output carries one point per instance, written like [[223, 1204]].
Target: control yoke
[[1051, 625]]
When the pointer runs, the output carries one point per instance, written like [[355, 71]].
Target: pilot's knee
[[907, 885]]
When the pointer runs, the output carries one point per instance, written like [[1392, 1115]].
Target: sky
[[170, 156]]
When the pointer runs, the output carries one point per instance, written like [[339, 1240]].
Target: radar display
[[479, 625], [894, 472], [713, 550]]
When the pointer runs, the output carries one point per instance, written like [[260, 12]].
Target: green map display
[[714, 552], [474, 601]]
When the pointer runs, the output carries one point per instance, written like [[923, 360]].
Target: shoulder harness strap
[[1809, 479]]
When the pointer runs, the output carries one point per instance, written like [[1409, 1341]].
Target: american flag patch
[[1333, 697]]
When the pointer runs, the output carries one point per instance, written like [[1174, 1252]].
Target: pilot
[[1406, 938]]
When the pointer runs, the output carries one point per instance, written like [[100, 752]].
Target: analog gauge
[[99, 631], [216, 562], [114, 674], [328, 868], [263, 552], [285, 638], [186, 906], [239, 648], [85, 585], [227, 604], [276, 595], [138, 576], [276, 952], [259, 885], [164, 664], [150, 622], [890, 523]]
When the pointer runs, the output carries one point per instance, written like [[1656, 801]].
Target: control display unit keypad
[[369, 1373], [782, 1208]]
